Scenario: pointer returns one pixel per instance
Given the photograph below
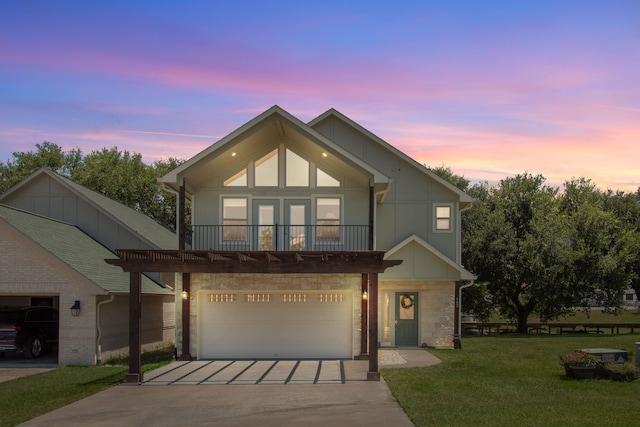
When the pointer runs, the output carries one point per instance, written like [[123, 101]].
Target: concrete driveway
[[176, 395]]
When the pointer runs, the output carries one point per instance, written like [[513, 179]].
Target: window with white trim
[[442, 217], [328, 219], [234, 219]]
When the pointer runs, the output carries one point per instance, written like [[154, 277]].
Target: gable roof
[[464, 274], [171, 179], [76, 249], [464, 198], [137, 223]]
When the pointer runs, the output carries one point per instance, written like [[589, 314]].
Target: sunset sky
[[489, 89]]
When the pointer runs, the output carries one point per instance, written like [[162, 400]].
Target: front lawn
[[28, 397], [513, 380]]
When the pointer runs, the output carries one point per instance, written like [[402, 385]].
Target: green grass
[[28, 397], [514, 380]]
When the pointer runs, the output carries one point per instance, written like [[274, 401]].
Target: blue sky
[[488, 88]]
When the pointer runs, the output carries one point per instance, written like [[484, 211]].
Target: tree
[[444, 172], [48, 155], [516, 240]]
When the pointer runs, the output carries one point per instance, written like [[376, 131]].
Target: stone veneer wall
[[437, 305], [266, 282]]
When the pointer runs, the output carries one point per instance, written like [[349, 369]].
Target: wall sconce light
[[365, 295], [185, 295], [75, 309]]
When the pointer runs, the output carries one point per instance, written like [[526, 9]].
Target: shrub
[[627, 371]]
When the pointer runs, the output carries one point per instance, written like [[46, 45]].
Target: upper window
[[323, 179], [443, 218], [267, 170], [234, 219], [297, 170], [328, 219], [281, 167], [237, 180]]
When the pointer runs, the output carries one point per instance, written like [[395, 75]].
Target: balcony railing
[[239, 237]]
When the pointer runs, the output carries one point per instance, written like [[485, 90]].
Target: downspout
[[98, 345], [375, 210], [457, 343]]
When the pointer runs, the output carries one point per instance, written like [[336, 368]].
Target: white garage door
[[275, 325]]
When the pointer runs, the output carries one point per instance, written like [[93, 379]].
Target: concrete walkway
[[355, 402]]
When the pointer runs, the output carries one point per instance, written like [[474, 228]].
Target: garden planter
[[583, 372]]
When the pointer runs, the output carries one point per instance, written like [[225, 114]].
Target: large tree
[[544, 253]]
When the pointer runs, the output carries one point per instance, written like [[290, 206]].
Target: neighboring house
[[278, 189], [55, 235]]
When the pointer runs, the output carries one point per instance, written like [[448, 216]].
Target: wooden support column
[[373, 374], [182, 226], [186, 316], [364, 313], [135, 342], [372, 207]]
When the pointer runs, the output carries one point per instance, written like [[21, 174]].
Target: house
[[310, 240], [55, 235]]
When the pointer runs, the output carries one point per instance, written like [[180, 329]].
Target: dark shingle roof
[[78, 250], [138, 223]]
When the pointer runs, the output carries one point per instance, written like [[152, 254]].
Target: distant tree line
[[119, 175], [538, 251]]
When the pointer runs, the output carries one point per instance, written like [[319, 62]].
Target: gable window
[[281, 167], [328, 219], [266, 170], [443, 217], [237, 180], [323, 179], [234, 219], [297, 170]]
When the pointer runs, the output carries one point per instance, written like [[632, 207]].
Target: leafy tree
[[47, 155], [516, 240], [444, 172]]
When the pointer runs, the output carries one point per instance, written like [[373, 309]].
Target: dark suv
[[31, 330]]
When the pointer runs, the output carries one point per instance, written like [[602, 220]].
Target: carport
[[367, 263]]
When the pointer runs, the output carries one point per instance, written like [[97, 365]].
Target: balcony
[[240, 237]]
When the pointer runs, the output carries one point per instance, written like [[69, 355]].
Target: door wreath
[[406, 301]]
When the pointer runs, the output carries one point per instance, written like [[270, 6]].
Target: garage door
[[275, 325]]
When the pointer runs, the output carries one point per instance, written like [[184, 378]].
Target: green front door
[[406, 319]]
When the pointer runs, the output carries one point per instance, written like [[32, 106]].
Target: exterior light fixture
[[75, 309], [185, 295], [233, 154], [365, 295], [324, 154]]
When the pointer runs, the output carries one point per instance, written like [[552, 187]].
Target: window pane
[[297, 236], [297, 170], [328, 208], [234, 212], [267, 170], [323, 179], [237, 180], [443, 212], [328, 220], [234, 208], [266, 222], [443, 217]]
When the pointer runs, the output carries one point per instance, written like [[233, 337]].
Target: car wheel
[[33, 348]]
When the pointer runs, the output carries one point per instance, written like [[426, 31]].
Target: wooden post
[[135, 343], [186, 316], [373, 374], [372, 206], [182, 226], [364, 324]]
